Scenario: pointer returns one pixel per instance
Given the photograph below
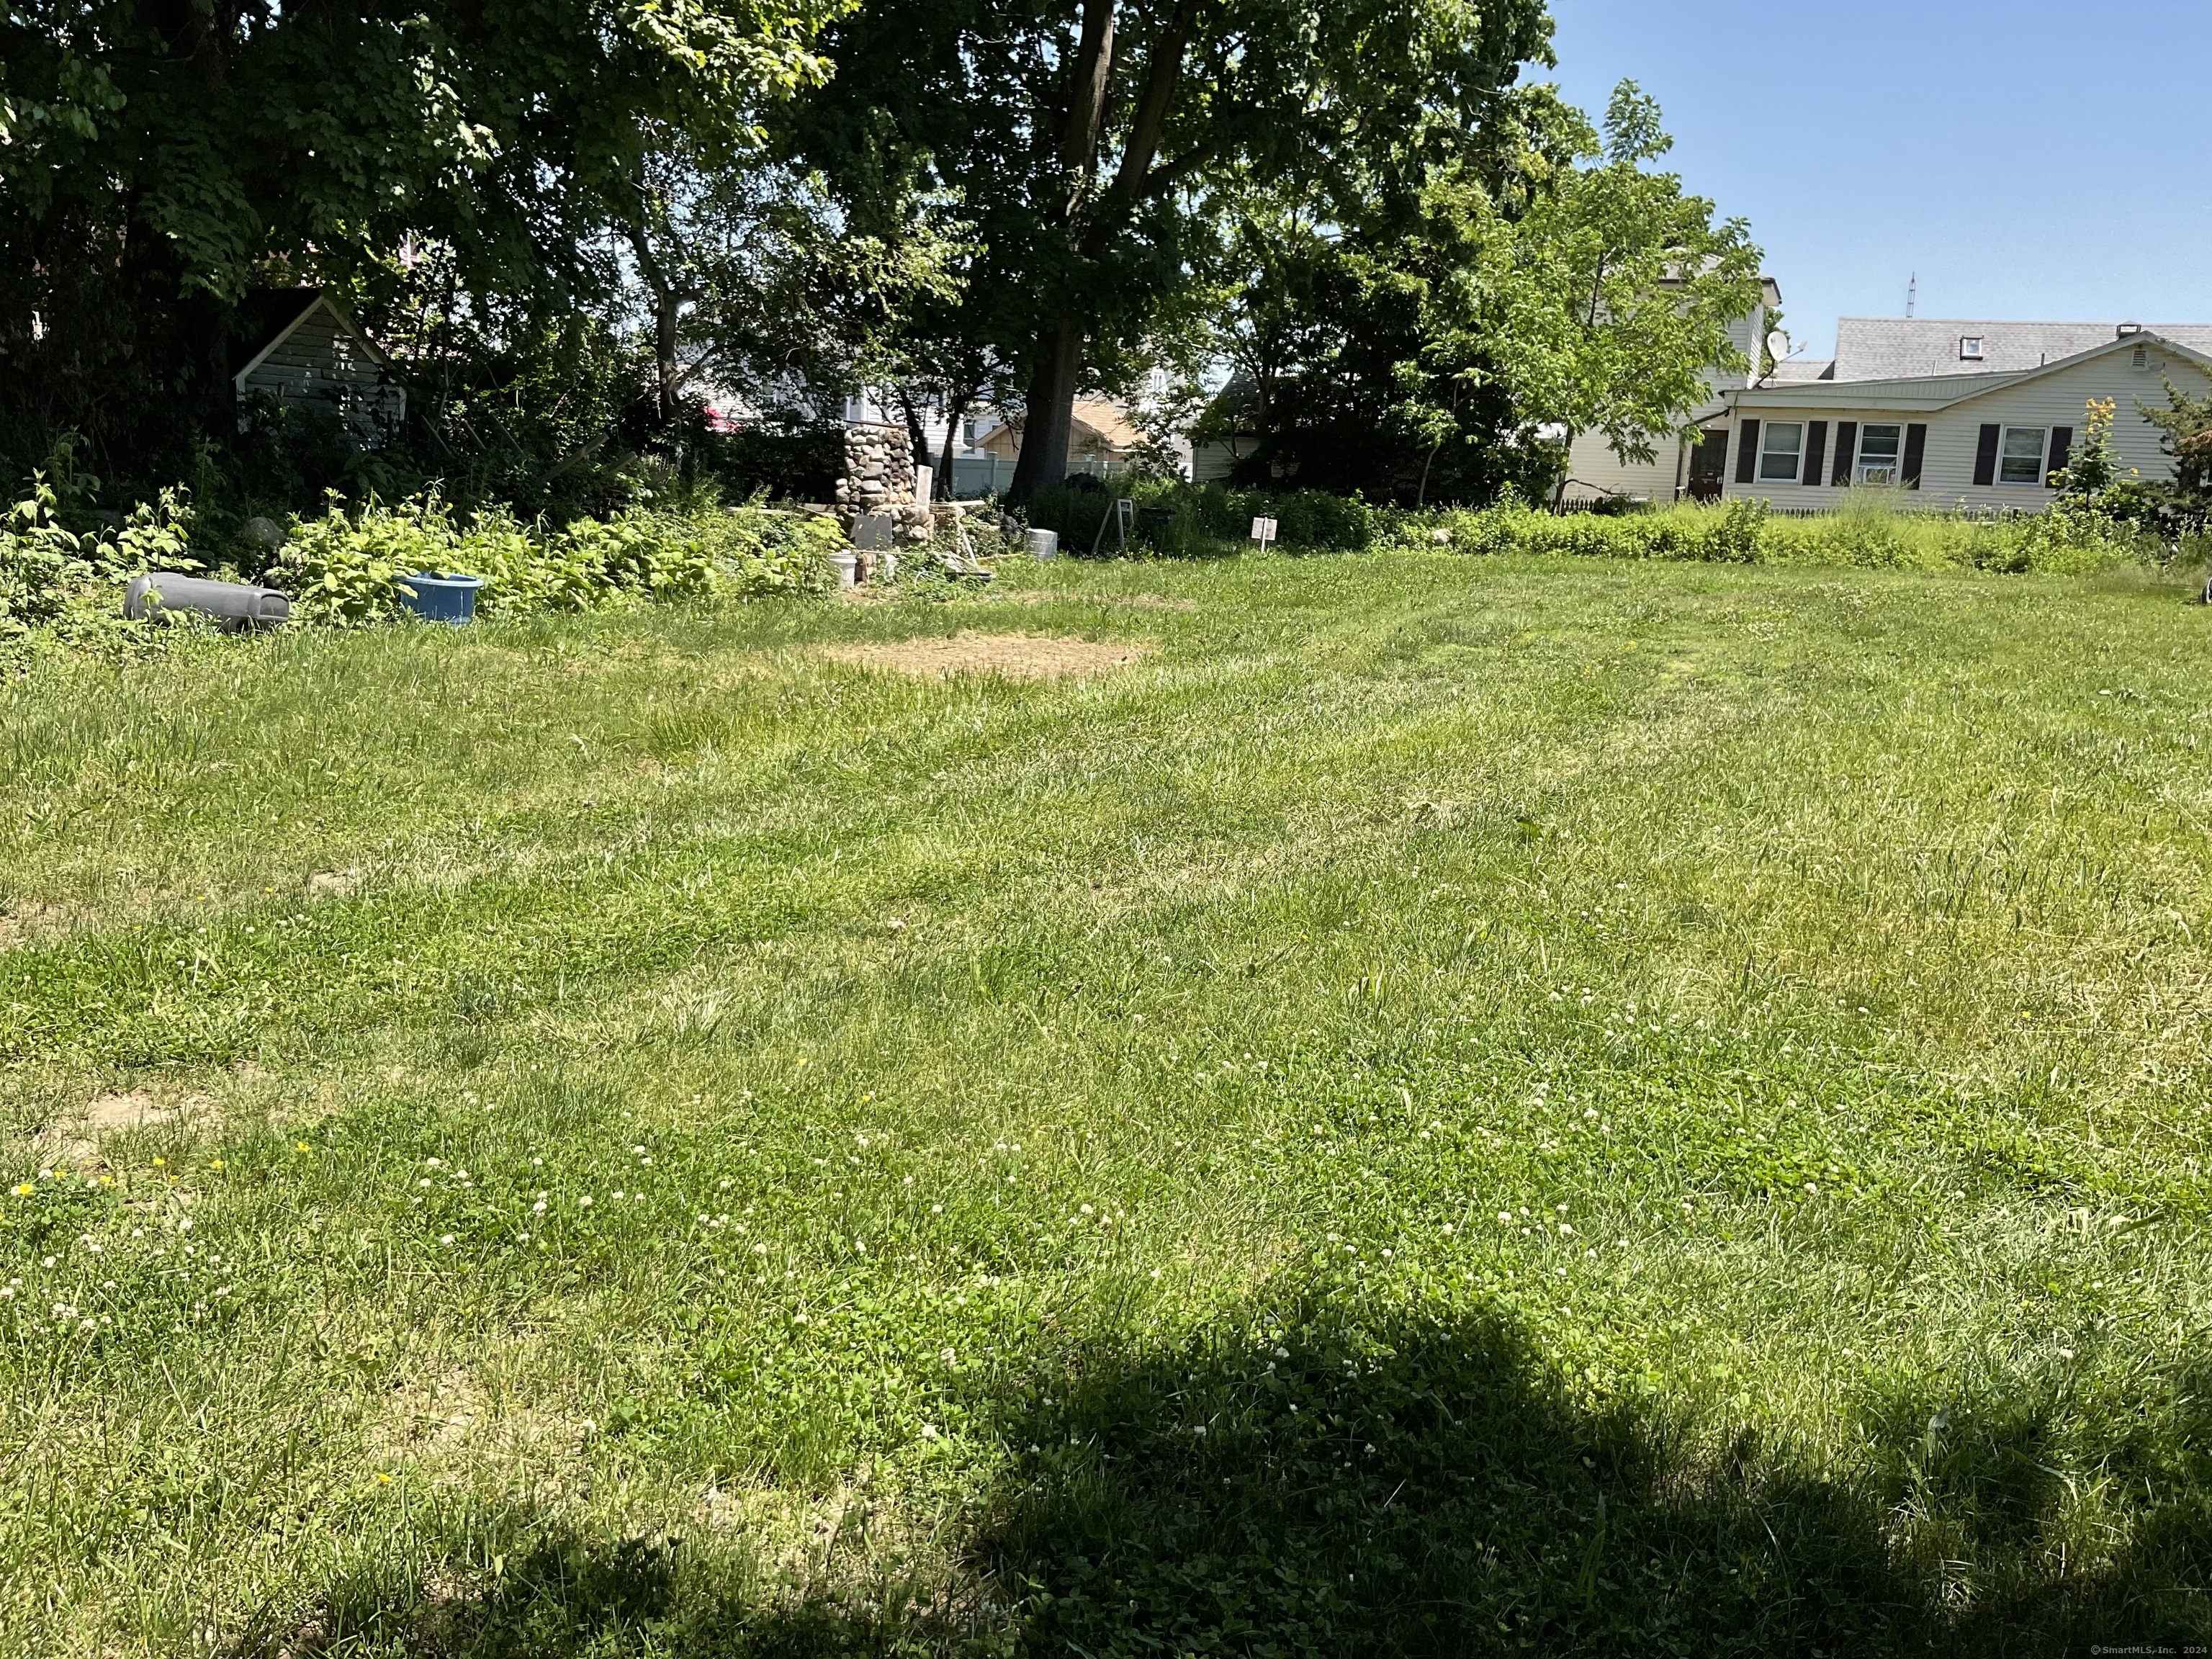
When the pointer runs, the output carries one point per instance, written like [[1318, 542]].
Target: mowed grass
[[1456, 1107]]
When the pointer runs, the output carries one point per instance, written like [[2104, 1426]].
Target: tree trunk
[[666, 305], [917, 430], [956, 411], [1049, 424]]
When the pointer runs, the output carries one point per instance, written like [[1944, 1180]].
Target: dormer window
[[1970, 348]]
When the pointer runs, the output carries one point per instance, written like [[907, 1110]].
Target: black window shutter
[[1916, 449], [1816, 451], [1847, 444], [1985, 457], [1746, 451], [2062, 450]]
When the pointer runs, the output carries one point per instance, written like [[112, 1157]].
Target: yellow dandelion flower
[[302, 1146], [382, 1479], [217, 1164], [24, 1189], [161, 1162]]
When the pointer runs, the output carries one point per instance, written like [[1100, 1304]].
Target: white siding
[[1947, 475], [1593, 469]]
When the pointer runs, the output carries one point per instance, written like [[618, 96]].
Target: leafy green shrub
[[347, 568], [46, 567], [344, 569]]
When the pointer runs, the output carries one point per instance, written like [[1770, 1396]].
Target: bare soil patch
[[75, 1139], [34, 922], [135, 1110], [334, 884], [1010, 656]]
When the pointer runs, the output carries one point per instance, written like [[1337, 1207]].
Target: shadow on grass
[[1322, 1482]]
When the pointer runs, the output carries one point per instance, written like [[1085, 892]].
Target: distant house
[[1102, 439], [1969, 414], [299, 348], [1683, 467]]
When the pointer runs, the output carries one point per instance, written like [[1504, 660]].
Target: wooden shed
[[300, 348]]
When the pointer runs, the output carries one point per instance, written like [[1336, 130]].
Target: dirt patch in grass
[[34, 922], [334, 884], [1010, 656], [75, 1139], [136, 1110]]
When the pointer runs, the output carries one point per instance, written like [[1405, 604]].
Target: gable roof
[[271, 316], [1923, 394], [1904, 348]]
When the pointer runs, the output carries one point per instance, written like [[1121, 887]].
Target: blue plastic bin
[[433, 598]]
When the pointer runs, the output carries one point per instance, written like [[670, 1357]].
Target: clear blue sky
[[2030, 159]]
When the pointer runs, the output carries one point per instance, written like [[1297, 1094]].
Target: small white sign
[[1263, 531]]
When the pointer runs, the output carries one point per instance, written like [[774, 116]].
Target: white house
[[1683, 466], [1984, 416]]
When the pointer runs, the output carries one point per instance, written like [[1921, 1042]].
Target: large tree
[[1444, 344], [158, 158], [1086, 139]]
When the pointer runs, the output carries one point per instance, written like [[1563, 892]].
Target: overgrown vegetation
[[1459, 1103], [1874, 529], [346, 567], [63, 586]]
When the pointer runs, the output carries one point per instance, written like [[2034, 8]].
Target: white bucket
[[848, 567], [1043, 544]]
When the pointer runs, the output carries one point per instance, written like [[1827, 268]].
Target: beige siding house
[[1594, 471], [1972, 437]]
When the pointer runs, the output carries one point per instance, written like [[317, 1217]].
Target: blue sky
[[2030, 159]]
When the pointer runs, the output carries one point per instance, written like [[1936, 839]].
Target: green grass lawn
[[1456, 1107]]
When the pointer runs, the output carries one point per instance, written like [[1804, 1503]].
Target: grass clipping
[[1010, 656]]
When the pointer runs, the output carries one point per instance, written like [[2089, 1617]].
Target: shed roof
[[268, 317]]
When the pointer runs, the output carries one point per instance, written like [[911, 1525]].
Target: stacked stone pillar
[[879, 479]]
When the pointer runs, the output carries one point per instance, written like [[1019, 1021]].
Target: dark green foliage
[[1096, 214], [159, 162], [2186, 424]]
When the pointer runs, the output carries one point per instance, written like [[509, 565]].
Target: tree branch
[[1163, 78], [1086, 103]]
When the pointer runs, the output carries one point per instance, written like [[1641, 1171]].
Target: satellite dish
[[1778, 346]]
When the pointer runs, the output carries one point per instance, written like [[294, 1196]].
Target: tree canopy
[[160, 157], [1086, 142], [1450, 344]]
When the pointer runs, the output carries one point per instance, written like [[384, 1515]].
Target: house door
[[1709, 465]]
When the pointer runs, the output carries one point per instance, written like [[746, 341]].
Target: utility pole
[[1912, 294]]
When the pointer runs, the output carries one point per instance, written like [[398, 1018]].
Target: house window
[[1159, 383], [1970, 348], [1781, 448], [2020, 460], [1881, 448]]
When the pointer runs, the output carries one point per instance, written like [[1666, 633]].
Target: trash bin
[[440, 598], [1043, 544]]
